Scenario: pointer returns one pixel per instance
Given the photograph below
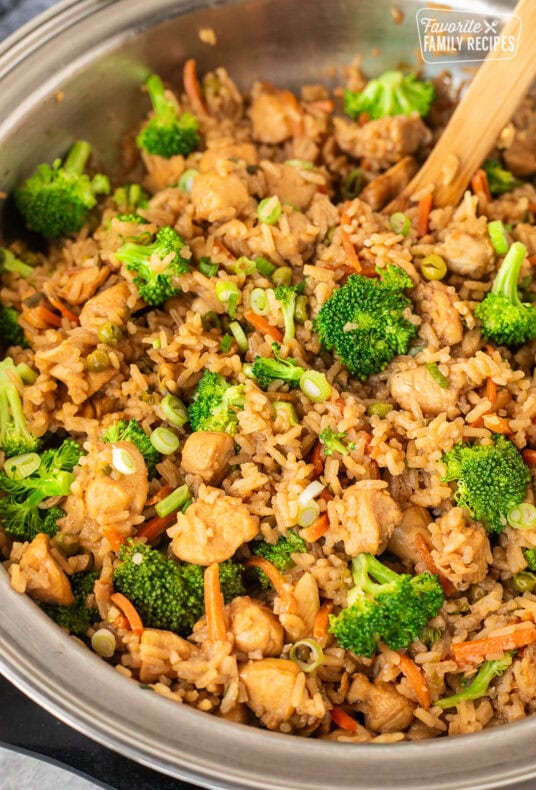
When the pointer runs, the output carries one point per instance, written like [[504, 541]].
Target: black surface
[[24, 725]]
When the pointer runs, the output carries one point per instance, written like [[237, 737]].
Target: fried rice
[[254, 146]]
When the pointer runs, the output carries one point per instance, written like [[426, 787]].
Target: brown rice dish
[[266, 443]]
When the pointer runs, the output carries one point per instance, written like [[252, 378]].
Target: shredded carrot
[[532, 207], [156, 526], [316, 530], [113, 537], [214, 606], [415, 677], [192, 88], [340, 403], [532, 260], [496, 424], [478, 650], [316, 459], [120, 622], [479, 184], [424, 208], [134, 620], [47, 316], [280, 586], [431, 567], [320, 626], [491, 391], [60, 307], [368, 439], [326, 495], [343, 720], [162, 494], [263, 326], [323, 105], [347, 245], [529, 456]]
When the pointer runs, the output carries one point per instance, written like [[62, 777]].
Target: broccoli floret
[[364, 323], [216, 404], [56, 200], [505, 319], [167, 133], [530, 556], [9, 263], [390, 94], [11, 334], [77, 617], [132, 431], [168, 594], [129, 198], [286, 296], [266, 370], [491, 480], [385, 606], [15, 438], [499, 179], [154, 279], [480, 683], [335, 442], [279, 554], [20, 510]]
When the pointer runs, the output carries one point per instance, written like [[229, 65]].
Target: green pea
[[301, 310], [282, 276], [524, 581], [98, 361], [67, 543], [433, 267], [109, 333], [379, 409]]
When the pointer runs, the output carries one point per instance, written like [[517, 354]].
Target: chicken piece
[[417, 387], [76, 286], [239, 714], [460, 550], [112, 305], [385, 710], [212, 528], [255, 627], [225, 149], [364, 519], [467, 255], [435, 303], [270, 686], [207, 454], [385, 140], [275, 116], [388, 185], [300, 624], [108, 495], [287, 183], [414, 522], [156, 647], [45, 580], [218, 197], [526, 234]]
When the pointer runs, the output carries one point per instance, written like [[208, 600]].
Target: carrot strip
[[113, 537], [262, 325], [134, 620], [529, 456], [343, 720], [192, 88], [316, 530], [162, 494], [316, 459], [214, 606], [532, 260], [47, 316], [479, 184], [416, 680], [491, 391], [280, 586], [60, 307], [478, 650], [347, 245], [320, 626], [326, 495], [156, 526], [424, 208], [431, 567], [496, 424]]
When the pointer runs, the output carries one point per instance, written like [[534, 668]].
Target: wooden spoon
[[484, 111]]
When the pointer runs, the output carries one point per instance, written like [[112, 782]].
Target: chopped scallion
[[308, 513], [239, 335], [187, 179], [164, 440], [433, 370], [522, 516], [103, 643], [307, 654], [497, 235], [174, 411], [226, 343], [173, 501], [20, 466], [400, 223], [264, 267], [258, 301], [315, 386], [269, 210], [122, 461], [207, 267]]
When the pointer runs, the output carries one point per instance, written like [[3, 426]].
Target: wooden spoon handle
[[486, 108]]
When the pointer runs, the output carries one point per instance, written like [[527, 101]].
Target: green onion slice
[[164, 440], [307, 654], [20, 466], [173, 501], [400, 223], [282, 407], [239, 335], [269, 210], [103, 643], [122, 461], [497, 235], [308, 513], [244, 265], [305, 164], [186, 180], [174, 411], [264, 266], [226, 343], [522, 516], [207, 267], [315, 386], [258, 301], [436, 374]]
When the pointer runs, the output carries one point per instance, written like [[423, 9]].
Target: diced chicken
[[527, 235], [299, 624], [287, 183], [364, 519], [107, 496], [385, 140], [467, 255], [435, 303], [45, 580], [385, 710], [255, 627], [417, 386], [109, 305], [225, 149], [414, 522], [155, 653], [212, 528], [76, 286], [270, 686], [275, 115], [385, 187], [460, 550], [207, 454], [218, 197]]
